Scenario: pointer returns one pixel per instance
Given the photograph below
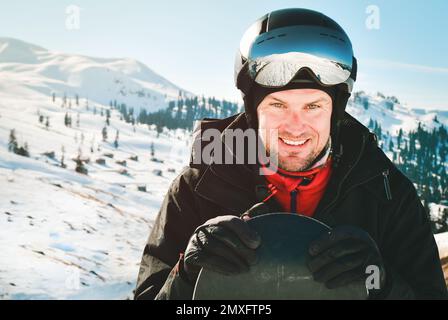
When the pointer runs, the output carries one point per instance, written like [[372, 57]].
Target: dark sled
[[280, 272]]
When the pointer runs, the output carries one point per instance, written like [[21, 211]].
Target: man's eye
[[277, 105], [313, 106]]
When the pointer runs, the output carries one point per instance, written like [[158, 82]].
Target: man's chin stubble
[[294, 168]]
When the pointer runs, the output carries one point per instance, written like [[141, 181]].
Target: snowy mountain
[[33, 68], [391, 114]]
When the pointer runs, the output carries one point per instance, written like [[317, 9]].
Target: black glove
[[341, 257], [224, 244]]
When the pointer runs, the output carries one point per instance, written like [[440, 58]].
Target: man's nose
[[295, 122]]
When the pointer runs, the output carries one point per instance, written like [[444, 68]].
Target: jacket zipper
[[293, 201], [345, 177], [386, 184], [385, 175]]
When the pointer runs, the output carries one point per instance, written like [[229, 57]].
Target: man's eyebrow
[[277, 99], [321, 99]]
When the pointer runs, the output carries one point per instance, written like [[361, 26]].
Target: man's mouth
[[293, 142]]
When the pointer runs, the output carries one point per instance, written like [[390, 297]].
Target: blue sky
[[193, 43]]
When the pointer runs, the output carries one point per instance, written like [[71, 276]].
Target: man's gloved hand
[[224, 244], [341, 257]]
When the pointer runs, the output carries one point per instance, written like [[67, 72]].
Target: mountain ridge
[[98, 79]]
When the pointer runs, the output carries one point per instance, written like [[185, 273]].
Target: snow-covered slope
[[66, 235], [100, 80], [391, 114], [442, 243]]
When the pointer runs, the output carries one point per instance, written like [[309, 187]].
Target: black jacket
[[365, 190]]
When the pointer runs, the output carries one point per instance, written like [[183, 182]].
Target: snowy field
[[67, 235]]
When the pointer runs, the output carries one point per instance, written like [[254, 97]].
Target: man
[[296, 70]]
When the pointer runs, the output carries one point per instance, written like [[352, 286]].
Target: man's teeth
[[294, 142]]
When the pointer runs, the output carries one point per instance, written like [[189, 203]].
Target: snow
[[442, 244], [401, 117], [58, 224], [66, 235]]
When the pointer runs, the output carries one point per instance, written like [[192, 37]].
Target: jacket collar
[[358, 163], [229, 185]]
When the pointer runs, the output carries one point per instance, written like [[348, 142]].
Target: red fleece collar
[[288, 180], [307, 196]]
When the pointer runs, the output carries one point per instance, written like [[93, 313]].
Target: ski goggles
[[274, 58]]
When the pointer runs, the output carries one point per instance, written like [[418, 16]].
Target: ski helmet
[[296, 46]]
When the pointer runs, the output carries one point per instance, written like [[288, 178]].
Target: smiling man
[[302, 120], [296, 70]]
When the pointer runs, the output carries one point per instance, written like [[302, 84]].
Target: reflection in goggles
[[277, 70]]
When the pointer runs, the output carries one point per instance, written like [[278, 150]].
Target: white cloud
[[407, 66]]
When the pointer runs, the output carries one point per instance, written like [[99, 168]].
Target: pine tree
[[152, 149], [444, 220], [142, 118], [116, 139], [391, 145], [80, 168], [399, 138], [365, 104], [77, 120], [24, 151], [47, 123], [104, 133], [63, 165], [12, 144], [159, 129], [92, 144]]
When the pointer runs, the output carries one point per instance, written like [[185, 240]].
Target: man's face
[[302, 118]]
